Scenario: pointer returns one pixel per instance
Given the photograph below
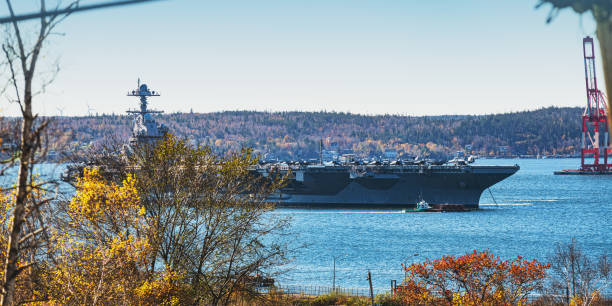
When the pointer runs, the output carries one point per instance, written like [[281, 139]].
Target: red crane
[[594, 117]]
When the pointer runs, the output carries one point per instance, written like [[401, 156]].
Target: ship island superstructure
[[145, 129]]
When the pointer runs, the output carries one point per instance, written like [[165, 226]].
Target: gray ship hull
[[389, 186]]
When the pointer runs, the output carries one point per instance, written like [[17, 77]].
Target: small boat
[[421, 206]]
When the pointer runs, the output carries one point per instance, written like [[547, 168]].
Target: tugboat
[[421, 206]]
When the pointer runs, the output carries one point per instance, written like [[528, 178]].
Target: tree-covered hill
[[545, 131]]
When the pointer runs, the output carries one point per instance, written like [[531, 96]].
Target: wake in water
[[506, 204], [311, 212], [541, 200]]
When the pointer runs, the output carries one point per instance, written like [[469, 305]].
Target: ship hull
[[389, 187]]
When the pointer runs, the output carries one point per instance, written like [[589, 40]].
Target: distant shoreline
[[549, 132]]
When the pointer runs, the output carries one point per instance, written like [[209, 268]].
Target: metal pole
[[334, 281], [334, 271], [371, 290]]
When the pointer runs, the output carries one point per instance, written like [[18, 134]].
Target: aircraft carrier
[[456, 185]]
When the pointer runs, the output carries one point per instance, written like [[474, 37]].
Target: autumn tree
[[208, 217], [21, 60], [22, 54], [100, 244], [106, 155], [28, 281], [477, 278]]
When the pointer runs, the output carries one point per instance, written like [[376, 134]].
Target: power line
[[70, 10]]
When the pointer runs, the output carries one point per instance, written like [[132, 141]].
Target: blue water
[[535, 210]]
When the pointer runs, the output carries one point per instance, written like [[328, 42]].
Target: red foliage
[[476, 278]]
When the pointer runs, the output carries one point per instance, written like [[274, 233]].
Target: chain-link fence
[[323, 290]]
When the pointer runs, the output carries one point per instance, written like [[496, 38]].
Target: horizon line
[[306, 112]]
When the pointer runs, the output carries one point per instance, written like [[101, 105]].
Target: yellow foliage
[[6, 205], [166, 288], [103, 249], [24, 289], [97, 198]]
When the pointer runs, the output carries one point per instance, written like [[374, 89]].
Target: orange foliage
[[477, 278]]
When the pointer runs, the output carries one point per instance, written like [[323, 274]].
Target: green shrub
[[386, 299], [328, 299]]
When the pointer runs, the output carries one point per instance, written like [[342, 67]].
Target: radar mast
[[145, 129]]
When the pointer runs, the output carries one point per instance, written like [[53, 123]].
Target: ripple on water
[[535, 211]]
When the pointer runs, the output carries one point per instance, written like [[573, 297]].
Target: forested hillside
[[546, 131]]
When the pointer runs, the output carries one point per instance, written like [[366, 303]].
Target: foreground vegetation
[[173, 227], [480, 278]]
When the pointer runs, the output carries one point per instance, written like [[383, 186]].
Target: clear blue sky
[[372, 57]]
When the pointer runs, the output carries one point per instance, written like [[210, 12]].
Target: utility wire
[[70, 10]]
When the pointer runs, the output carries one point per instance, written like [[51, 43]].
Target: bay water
[[525, 215]]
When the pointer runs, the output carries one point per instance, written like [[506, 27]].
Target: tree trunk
[[23, 190], [604, 35]]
